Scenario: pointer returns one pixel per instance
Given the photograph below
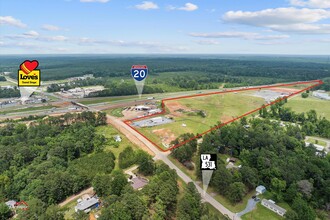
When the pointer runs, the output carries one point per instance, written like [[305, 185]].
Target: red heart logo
[[27, 66]]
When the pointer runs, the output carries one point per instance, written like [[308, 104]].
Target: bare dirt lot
[[166, 135], [175, 107], [286, 90]]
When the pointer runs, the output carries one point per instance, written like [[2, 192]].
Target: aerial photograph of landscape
[[164, 110]]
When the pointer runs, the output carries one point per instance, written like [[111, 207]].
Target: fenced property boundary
[[317, 83]]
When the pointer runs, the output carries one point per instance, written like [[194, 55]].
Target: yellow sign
[[28, 75], [30, 79]]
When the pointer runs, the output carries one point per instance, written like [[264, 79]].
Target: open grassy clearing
[[316, 141], [299, 104], [261, 213], [115, 147], [27, 109], [117, 112], [220, 107]]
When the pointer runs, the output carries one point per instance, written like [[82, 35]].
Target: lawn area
[[7, 83], [109, 132], [27, 109], [117, 112], [226, 203], [261, 213], [220, 107], [299, 104], [69, 210], [190, 173], [316, 141], [89, 101]]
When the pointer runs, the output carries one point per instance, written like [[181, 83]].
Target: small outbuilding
[[117, 138], [261, 189]]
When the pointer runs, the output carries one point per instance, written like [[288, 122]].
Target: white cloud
[[49, 27], [101, 1], [148, 46], [9, 20], [54, 38], [31, 34], [304, 28], [237, 34], [187, 7], [207, 42], [146, 5], [311, 3], [277, 16], [283, 19]]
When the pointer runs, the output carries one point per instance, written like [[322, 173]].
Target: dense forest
[[185, 73], [9, 93], [272, 155], [2, 78], [289, 68], [55, 157], [46, 161]]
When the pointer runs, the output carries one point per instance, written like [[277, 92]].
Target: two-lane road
[[134, 137]]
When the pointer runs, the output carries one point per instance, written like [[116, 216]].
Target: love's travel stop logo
[[28, 75]]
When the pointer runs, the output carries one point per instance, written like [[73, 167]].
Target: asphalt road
[[129, 132]]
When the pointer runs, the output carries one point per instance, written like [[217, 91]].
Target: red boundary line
[[319, 82]]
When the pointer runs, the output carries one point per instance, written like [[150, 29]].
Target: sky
[[299, 27]]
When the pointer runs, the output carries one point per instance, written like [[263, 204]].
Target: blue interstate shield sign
[[139, 72]]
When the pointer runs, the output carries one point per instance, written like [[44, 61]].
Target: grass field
[[299, 104], [217, 108], [316, 141], [117, 112], [7, 83], [109, 132], [261, 213], [27, 109]]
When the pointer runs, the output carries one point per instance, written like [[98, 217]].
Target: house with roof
[[117, 138], [270, 204], [261, 189], [138, 182], [11, 204], [87, 205]]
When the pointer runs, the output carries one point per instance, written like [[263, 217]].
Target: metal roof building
[[87, 205], [272, 206]]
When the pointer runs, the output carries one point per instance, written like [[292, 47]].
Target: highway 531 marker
[[139, 74], [208, 163]]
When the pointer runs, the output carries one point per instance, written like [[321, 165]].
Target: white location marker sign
[[26, 92], [208, 165], [139, 74], [28, 79]]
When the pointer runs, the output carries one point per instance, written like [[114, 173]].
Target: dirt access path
[[75, 197]]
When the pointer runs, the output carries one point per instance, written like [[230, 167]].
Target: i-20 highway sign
[[139, 72]]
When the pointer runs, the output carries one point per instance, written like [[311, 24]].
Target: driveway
[[249, 207]]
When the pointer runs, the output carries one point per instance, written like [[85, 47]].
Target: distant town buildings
[[270, 204]]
